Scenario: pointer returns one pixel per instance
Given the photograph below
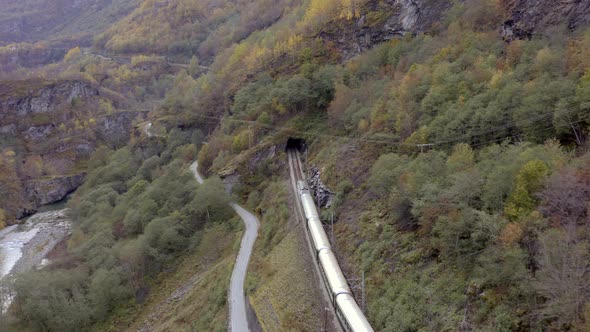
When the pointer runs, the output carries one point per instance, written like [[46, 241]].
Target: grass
[[193, 297], [281, 283], [282, 287]]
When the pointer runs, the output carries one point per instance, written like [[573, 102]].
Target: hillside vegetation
[[188, 27], [458, 160], [137, 212], [62, 22], [487, 228]]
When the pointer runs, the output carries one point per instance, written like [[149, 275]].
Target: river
[[24, 246]]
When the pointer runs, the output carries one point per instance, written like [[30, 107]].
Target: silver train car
[[349, 314]]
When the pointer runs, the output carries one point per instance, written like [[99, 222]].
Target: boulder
[[322, 195]]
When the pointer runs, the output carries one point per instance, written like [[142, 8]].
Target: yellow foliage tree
[[529, 180], [242, 141], [322, 11], [10, 185], [511, 234], [72, 54], [2, 219], [461, 158]]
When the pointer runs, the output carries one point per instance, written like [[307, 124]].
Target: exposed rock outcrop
[[41, 192], [114, 128], [383, 20], [529, 16], [8, 129], [321, 193], [52, 128], [412, 16], [45, 99], [261, 159]]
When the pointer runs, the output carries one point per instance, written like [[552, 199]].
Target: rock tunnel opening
[[296, 143]]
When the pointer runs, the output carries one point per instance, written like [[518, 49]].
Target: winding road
[[237, 300]]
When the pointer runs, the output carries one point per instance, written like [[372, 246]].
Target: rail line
[[349, 316], [296, 173]]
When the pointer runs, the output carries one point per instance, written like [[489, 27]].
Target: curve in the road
[[237, 300]]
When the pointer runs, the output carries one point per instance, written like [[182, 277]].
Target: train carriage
[[349, 314], [309, 206], [319, 237]]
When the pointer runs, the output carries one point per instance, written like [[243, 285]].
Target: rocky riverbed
[[23, 247]]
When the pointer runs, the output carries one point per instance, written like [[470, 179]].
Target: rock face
[[529, 16], [261, 159], [47, 98], [51, 129], [321, 193], [383, 20], [413, 16], [114, 128], [43, 192]]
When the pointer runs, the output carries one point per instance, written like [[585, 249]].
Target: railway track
[[296, 174], [347, 314]]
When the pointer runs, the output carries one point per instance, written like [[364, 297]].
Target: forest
[[133, 217], [489, 214]]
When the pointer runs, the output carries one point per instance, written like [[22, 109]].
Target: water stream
[[13, 238]]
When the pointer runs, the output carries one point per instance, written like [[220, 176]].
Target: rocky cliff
[[383, 20], [33, 99], [47, 131], [46, 191], [526, 17]]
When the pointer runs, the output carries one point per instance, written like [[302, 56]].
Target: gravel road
[[237, 300]]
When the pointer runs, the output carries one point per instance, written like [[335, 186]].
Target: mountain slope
[[455, 150], [65, 22]]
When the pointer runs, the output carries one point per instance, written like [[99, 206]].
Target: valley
[[444, 145]]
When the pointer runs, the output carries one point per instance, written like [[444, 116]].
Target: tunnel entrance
[[296, 143]]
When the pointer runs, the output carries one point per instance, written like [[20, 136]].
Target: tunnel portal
[[296, 143]]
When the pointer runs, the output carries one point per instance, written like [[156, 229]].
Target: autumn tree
[[563, 278], [461, 158], [193, 66], [565, 200], [73, 54], [529, 180], [2, 219]]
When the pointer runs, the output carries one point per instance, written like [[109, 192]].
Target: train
[[349, 314]]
